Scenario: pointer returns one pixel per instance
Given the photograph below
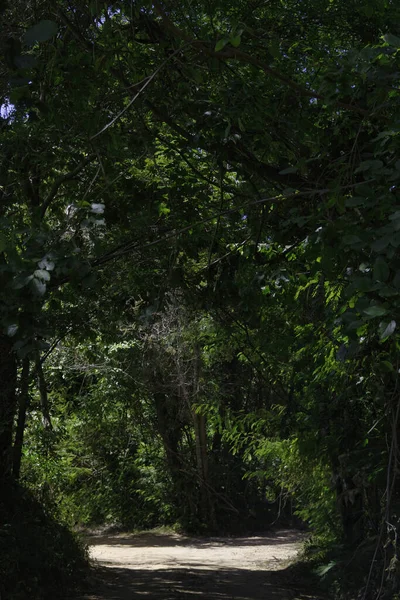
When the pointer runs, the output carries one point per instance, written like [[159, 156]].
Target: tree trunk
[[8, 381], [350, 503], [23, 401], [200, 431], [170, 435]]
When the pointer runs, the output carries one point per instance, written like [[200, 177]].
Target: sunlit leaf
[[388, 330], [392, 40], [46, 263], [38, 286], [324, 569], [12, 330], [97, 208], [42, 274]]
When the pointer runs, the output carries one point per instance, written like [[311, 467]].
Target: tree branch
[[239, 55], [62, 179], [130, 246]]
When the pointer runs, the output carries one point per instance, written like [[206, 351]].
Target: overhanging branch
[[243, 57], [62, 179]]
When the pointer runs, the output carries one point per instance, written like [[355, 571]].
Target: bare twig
[[136, 96]]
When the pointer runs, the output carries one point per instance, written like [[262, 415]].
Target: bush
[[39, 558]]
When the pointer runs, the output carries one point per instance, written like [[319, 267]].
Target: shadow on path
[[176, 584]]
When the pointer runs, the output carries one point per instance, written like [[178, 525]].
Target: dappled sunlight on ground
[[171, 567]]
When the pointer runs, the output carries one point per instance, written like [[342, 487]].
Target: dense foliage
[[200, 281]]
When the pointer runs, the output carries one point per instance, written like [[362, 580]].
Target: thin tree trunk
[[23, 401], [44, 400], [199, 422], [203, 445], [199, 457], [169, 435], [8, 382]]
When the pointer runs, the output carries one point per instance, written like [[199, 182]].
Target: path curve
[[153, 566]]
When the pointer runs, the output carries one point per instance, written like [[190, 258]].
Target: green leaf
[[376, 311], [97, 208], [381, 269], [351, 239], [12, 329], [368, 165], [41, 32], [395, 240], [362, 284], [355, 201], [381, 244], [396, 280], [21, 281], [227, 130], [221, 44], [386, 366], [25, 61], [241, 126], [163, 209], [387, 292], [38, 286], [46, 263], [387, 329], [42, 274], [392, 40], [288, 171], [324, 569], [235, 41]]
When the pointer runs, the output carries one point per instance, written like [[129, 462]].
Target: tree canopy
[[200, 279]]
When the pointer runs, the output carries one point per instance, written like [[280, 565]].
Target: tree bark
[[8, 382], [200, 431], [23, 401], [170, 435]]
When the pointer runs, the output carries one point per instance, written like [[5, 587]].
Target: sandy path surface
[[173, 567]]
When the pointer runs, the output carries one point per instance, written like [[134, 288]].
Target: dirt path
[[173, 567]]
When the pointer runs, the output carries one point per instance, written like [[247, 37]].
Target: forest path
[[173, 567]]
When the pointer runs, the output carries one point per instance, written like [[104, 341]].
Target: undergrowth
[[40, 558], [348, 573]]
